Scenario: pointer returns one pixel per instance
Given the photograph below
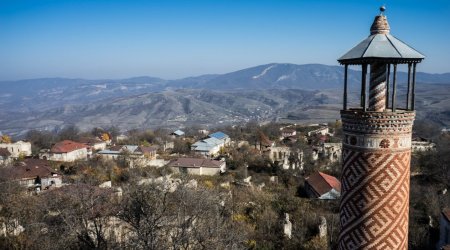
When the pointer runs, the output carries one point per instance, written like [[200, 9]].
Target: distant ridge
[[273, 75], [309, 92]]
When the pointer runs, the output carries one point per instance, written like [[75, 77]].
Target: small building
[[35, 174], [132, 155], [197, 166], [319, 131], [17, 149], [208, 147], [420, 144], [94, 144], [287, 158], [121, 137], [120, 151], [332, 151], [444, 224], [288, 132], [177, 133], [166, 145], [221, 136], [322, 186], [203, 131], [66, 151], [149, 152]]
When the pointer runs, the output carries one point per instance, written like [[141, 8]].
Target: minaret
[[377, 145]]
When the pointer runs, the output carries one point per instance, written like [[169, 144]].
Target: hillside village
[[275, 184]]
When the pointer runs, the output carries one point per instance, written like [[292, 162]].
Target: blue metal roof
[[219, 135], [207, 144]]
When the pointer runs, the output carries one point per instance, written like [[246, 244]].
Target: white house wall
[[18, 148], [79, 154]]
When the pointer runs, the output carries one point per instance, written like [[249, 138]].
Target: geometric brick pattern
[[374, 199]]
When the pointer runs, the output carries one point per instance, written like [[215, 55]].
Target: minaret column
[[377, 87], [376, 147]]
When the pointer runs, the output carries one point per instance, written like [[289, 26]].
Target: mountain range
[[307, 93]]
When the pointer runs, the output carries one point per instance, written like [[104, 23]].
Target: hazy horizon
[[401, 69]]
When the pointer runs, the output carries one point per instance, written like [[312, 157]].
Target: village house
[[331, 151], [288, 132], [66, 151], [444, 224], [322, 186], [94, 144], [17, 149], [319, 131], [135, 156], [264, 144], [420, 144], [207, 147], [221, 136], [121, 137], [197, 166], [120, 151], [149, 152], [203, 131], [287, 158], [34, 174], [177, 133], [211, 146], [166, 145]]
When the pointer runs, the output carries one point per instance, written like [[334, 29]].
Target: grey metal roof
[[381, 47], [178, 132]]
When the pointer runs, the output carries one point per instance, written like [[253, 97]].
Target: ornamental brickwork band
[[377, 145]]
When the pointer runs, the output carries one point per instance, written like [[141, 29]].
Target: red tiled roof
[[4, 152], [323, 183], [67, 146], [195, 163], [29, 168], [446, 213]]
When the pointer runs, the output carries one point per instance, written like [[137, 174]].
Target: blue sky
[[173, 39]]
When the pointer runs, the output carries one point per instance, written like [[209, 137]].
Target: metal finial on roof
[[382, 9]]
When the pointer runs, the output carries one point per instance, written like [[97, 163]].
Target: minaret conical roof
[[381, 46]]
